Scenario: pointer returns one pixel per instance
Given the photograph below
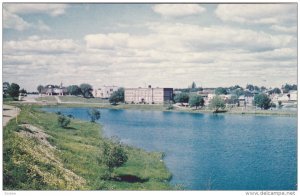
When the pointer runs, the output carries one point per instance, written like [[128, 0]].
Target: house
[[148, 95], [225, 97], [208, 90], [245, 100], [55, 90], [104, 92], [293, 95], [285, 97], [242, 100]]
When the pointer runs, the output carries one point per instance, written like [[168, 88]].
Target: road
[[9, 112]]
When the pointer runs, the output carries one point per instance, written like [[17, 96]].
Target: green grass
[[46, 98], [82, 100], [8, 98], [75, 162]]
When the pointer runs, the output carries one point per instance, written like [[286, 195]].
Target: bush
[[114, 154], [217, 103], [196, 100], [13, 90], [94, 114], [117, 96], [63, 121], [170, 107], [263, 101]]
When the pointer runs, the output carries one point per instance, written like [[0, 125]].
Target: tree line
[[84, 89], [261, 96], [12, 90]]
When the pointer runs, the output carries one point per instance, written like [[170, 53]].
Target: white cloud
[[36, 45], [284, 29], [194, 37], [257, 13], [13, 21], [32, 8], [211, 56], [120, 40], [42, 26], [186, 38], [103, 41], [173, 10], [12, 15]]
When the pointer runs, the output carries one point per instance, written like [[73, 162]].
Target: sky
[[163, 45]]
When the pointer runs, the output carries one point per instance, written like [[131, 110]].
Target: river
[[208, 151]]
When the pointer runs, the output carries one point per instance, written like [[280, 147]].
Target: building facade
[[105, 92], [51, 90], [148, 95]]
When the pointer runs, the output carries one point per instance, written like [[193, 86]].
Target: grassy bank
[[46, 99], [82, 100], [73, 101], [182, 109], [40, 155]]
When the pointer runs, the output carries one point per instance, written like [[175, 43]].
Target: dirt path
[[9, 112], [57, 99]]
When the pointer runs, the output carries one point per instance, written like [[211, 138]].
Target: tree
[[94, 114], [233, 99], [221, 91], [40, 88], [181, 98], [256, 88], [263, 88], [86, 90], [217, 103], [13, 90], [279, 104], [196, 100], [237, 92], [114, 154], [117, 96], [23, 92], [193, 85], [276, 91], [63, 121], [235, 87], [250, 87], [5, 87], [262, 100], [74, 90], [287, 87]]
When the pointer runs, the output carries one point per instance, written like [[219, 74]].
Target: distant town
[[192, 96]]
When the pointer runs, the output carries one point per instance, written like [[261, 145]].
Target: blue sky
[[165, 45]]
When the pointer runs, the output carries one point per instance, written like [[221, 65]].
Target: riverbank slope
[[40, 155]]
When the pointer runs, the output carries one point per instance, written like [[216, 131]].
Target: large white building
[[104, 91], [148, 95]]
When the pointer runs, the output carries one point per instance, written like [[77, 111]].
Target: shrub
[[63, 121], [196, 100], [94, 114], [170, 107], [263, 101], [217, 103], [114, 154]]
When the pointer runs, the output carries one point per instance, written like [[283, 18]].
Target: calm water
[[206, 151]]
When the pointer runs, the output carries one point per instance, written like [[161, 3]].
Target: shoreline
[[61, 145], [156, 107]]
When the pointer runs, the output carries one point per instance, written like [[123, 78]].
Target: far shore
[[154, 107]]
